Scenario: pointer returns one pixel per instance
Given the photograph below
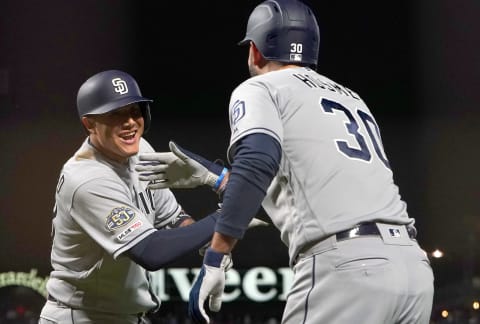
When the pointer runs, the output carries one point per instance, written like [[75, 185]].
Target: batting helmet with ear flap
[[111, 90], [285, 31]]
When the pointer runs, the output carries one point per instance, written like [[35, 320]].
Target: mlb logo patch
[[394, 232], [129, 230], [295, 57]]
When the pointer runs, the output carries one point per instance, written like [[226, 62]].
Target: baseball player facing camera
[[308, 150], [109, 229]]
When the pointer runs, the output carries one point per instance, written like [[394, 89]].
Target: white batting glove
[[210, 284], [178, 169]]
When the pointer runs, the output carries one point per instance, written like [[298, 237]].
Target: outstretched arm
[[255, 163], [256, 160], [165, 246]]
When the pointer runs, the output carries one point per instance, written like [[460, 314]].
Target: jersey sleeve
[[252, 109], [103, 209], [167, 207]]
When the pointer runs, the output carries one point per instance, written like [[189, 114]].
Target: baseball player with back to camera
[[308, 150], [109, 229]]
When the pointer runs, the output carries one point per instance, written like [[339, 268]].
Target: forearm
[[241, 202], [223, 243], [186, 222], [165, 246], [255, 163]]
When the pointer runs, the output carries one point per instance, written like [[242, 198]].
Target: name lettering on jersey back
[[313, 82]]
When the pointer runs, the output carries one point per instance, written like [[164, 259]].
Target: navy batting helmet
[[110, 90], [285, 31]]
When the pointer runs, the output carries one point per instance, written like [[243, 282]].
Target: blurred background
[[415, 63]]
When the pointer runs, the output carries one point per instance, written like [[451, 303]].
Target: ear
[[257, 57], [88, 124]]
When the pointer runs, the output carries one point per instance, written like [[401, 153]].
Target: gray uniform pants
[[55, 313], [364, 280]]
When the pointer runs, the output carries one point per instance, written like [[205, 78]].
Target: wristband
[[219, 179], [216, 259]]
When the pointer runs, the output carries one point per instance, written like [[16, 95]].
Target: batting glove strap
[[211, 179]]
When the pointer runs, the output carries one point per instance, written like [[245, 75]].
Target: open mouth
[[128, 137]]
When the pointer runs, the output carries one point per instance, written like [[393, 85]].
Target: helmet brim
[[244, 42], [118, 104]]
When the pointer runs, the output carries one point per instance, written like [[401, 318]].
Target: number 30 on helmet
[[285, 31]]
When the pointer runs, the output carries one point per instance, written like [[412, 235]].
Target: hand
[[178, 169], [209, 283]]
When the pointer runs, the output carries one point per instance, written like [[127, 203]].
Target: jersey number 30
[[352, 127]]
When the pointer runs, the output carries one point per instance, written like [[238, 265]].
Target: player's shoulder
[[77, 172], [268, 85], [83, 176], [273, 79], [252, 86], [86, 164], [323, 83]]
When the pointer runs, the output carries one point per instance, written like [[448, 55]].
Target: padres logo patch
[[238, 111], [119, 217]]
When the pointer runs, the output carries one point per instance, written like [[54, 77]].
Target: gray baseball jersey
[[333, 175], [101, 211], [332, 154]]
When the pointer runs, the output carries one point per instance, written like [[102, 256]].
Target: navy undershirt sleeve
[[165, 246], [256, 160]]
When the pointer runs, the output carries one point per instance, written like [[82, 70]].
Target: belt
[[364, 229], [359, 230]]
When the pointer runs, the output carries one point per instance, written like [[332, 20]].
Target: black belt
[[359, 230], [364, 229]]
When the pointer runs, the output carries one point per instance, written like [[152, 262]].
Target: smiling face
[[116, 134]]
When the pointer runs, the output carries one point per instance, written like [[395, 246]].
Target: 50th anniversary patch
[[119, 217]]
